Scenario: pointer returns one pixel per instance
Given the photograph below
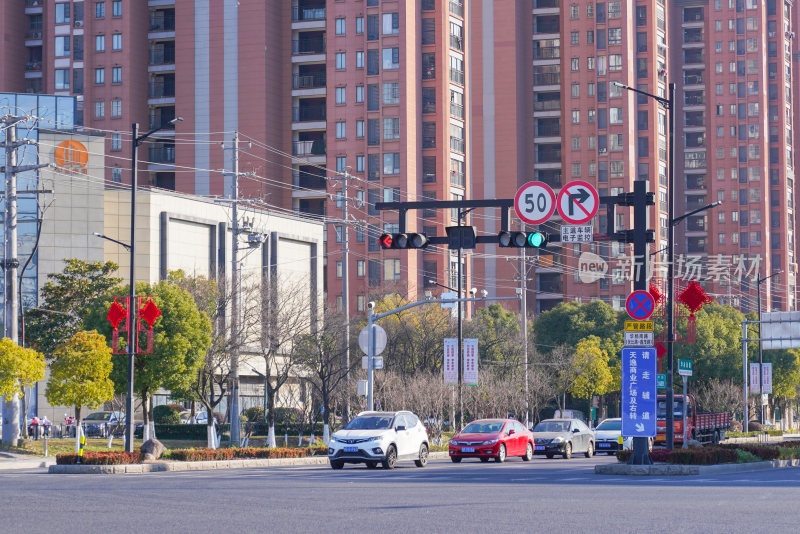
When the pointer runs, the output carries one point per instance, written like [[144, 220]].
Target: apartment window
[[576, 116], [590, 63], [641, 15], [359, 94], [340, 26], [391, 93], [62, 13], [341, 62], [116, 108], [574, 64], [341, 130], [574, 38], [361, 268], [339, 271], [428, 31], [341, 166], [391, 194], [100, 43], [614, 10], [116, 141], [116, 175], [373, 132], [116, 41], [361, 302], [615, 62], [373, 62], [62, 79], [99, 109], [99, 10], [391, 58], [589, 10], [373, 97], [360, 134], [615, 115], [616, 169], [576, 90], [391, 128], [590, 37], [391, 269], [62, 46], [359, 25], [590, 89], [576, 169], [360, 159], [341, 95], [360, 59], [574, 12], [100, 76], [391, 163], [391, 24], [116, 75], [614, 36]]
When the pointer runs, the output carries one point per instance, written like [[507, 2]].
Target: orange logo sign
[[72, 156]]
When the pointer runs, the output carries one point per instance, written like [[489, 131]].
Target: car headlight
[[374, 438], [454, 442], [333, 439], [557, 440], [489, 442]]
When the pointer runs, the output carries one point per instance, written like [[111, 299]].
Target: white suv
[[384, 437]]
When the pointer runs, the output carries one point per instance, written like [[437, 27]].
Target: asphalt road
[[542, 495]]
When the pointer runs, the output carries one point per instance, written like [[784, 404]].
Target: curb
[[158, 467], [34, 463], [683, 470]]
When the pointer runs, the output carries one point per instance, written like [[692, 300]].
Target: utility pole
[[523, 283], [11, 408], [235, 301], [346, 294]]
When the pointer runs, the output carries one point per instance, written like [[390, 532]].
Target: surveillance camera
[[484, 293], [473, 291], [371, 305]]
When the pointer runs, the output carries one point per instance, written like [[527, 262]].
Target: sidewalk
[[10, 461]]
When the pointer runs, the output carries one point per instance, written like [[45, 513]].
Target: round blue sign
[[640, 305]]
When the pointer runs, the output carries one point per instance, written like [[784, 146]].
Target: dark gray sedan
[[563, 437]]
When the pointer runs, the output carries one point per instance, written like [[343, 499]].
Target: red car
[[492, 438]]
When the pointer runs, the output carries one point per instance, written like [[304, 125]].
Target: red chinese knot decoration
[[656, 293], [147, 315], [116, 314], [694, 298]]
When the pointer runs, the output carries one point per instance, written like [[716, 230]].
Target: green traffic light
[[536, 239]]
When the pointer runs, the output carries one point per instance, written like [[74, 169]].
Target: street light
[[136, 139], [120, 243], [759, 281]]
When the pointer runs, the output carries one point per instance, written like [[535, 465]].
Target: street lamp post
[[135, 140], [759, 281]]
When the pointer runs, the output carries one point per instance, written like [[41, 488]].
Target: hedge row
[[753, 433], [197, 455], [697, 456], [765, 452], [200, 432], [101, 458]]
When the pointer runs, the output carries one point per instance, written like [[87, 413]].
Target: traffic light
[[523, 239], [403, 241]]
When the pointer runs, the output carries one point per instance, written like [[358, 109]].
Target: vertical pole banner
[[766, 377], [450, 360], [755, 384], [471, 361]]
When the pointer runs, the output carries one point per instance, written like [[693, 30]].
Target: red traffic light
[[386, 240]]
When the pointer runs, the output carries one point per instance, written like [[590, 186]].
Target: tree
[[181, 341], [593, 376], [717, 352], [569, 322], [498, 332], [66, 299], [19, 368], [79, 376], [720, 396]]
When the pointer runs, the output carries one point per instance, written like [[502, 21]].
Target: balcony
[[547, 52], [457, 178], [693, 79], [548, 131], [160, 118], [457, 9], [33, 35], [456, 110], [309, 113], [428, 141], [545, 4], [546, 78], [162, 21], [160, 89], [309, 177], [162, 55], [457, 76], [33, 66], [547, 105], [300, 13], [547, 24], [545, 154], [309, 81], [302, 47], [308, 148], [457, 144], [161, 154], [457, 43]]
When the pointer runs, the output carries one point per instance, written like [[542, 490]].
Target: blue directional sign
[[639, 392], [640, 305]]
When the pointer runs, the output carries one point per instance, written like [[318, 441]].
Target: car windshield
[[370, 422], [610, 425], [677, 409], [100, 416], [552, 426], [484, 427]]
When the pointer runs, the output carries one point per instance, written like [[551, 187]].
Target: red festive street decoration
[[149, 313], [656, 293], [694, 298], [661, 350], [116, 314]]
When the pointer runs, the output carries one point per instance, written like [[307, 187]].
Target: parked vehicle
[[380, 437], [100, 424], [606, 437], [705, 427], [492, 438], [564, 437]]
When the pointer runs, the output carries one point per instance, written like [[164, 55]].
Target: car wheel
[[590, 451], [455, 459], [567, 451], [549, 455], [391, 458], [484, 459], [372, 465], [528, 453], [501, 454], [423, 456], [336, 464]]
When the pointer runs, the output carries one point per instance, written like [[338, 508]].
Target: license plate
[[540, 447], [604, 445], [351, 449], [467, 449]]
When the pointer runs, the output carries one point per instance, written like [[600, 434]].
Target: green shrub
[[744, 456], [255, 414], [698, 456], [789, 453], [166, 414], [101, 458], [198, 455]]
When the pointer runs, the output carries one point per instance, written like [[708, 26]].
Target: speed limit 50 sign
[[535, 202]]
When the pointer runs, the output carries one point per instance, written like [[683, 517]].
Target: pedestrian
[[34, 427], [46, 425]]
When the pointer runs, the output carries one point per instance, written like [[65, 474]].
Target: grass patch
[[743, 457]]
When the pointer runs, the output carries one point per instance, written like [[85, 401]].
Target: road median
[[683, 470]]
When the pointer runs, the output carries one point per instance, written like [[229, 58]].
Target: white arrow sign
[[578, 202]]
